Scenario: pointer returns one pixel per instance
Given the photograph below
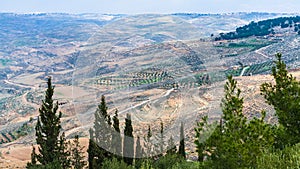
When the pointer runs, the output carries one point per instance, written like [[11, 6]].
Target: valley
[[156, 67]]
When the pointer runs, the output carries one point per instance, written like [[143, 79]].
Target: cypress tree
[[48, 131], [128, 145], [181, 145], [162, 137], [100, 137], [116, 136]]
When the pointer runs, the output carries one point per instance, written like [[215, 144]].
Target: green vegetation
[[25, 129], [286, 158], [253, 46], [181, 150], [261, 28], [77, 157], [100, 137], [284, 96], [53, 149], [48, 127], [128, 143], [146, 77], [238, 142], [116, 136], [233, 142], [212, 77], [259, 68]]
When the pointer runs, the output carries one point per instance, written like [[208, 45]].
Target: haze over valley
[[157, 67]]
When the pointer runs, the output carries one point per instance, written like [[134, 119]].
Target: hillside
[[19, 154], [264, 28], [156, 67]]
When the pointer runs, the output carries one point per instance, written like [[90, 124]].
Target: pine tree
[[116, 136], [48, 131], [128, 144], [100, 136], [182, 144], [235, 142], [284, 96], [231, 132], [77, 157]]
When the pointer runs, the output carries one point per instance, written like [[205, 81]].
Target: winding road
[[17, 84], [259, 51], [168, 92], [244, 69]]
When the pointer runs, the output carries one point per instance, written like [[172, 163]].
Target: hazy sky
[[149, 6]]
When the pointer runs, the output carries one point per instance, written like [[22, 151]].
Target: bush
[[168, 161], [187, 165], [53, 165], [286, 158], [146, 165], [115, 164]]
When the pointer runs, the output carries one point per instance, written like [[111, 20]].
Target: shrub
[[115, 164]]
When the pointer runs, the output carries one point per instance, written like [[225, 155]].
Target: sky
[[148, 6]]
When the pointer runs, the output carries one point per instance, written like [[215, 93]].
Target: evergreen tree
[[128, 144], [33, 156], [149, 133], [182, 144], [229, 137], [116, 136], [64, 152], [33, 159], [234, 143], [100, 137], [77, 157], [284, 96], [162, 137], [202, 134], [48, 129], [93, 151]]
